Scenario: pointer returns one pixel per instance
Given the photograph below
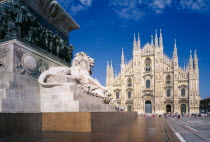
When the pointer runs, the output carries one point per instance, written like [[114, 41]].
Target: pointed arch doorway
[[148, 107], [168, 108], [183, 108]]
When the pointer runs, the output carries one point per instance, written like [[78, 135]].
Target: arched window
[[168, 93], [117, 95], [168, 79], [129, 82], [148, 64], [147, 83], [182, 92], [129, 94]]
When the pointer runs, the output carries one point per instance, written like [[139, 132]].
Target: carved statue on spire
[[156, 39]]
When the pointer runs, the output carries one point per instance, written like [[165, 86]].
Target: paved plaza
[[143, 129], [191, 129]]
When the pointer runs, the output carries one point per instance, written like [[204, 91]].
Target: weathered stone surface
[[58, 99], [69, 98], [20, 65]]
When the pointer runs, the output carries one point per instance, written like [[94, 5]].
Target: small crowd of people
[[185, 114], [178, 116]]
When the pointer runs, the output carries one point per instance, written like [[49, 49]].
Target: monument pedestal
[[70, 98], [20, 66], [36, 39]]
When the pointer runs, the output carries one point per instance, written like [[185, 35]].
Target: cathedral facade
[[152, 82]]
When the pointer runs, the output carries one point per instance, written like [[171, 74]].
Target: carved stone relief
[[3, 53], [42, 65], [19, 54], [26, 63], [29, 64], [20, 22]]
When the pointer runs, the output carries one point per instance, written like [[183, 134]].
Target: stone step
[[86, 107], [66, 106], [84, 98], [88, 103], [60, 79], [58, 99]]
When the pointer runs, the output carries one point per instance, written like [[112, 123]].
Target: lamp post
[[208, 109]]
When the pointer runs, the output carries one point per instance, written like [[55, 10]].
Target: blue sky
[[107, 26]]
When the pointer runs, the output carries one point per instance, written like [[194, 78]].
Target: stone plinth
[[58, 99], [20, 66], [14, 124], [69, 98], [84, 121]]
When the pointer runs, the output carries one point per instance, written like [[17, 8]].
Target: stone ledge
[[169, 132], [65, 23]]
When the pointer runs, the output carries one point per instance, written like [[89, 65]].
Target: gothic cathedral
[[152, 82]]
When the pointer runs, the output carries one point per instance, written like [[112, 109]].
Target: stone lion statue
[[80, 71]]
